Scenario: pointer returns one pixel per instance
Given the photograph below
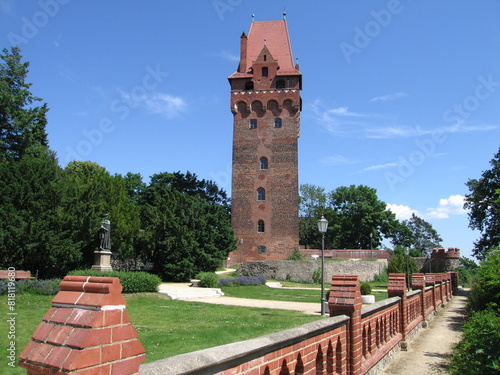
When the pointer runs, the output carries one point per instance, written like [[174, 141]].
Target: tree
[[484, 208], [187, 226], [32, 236], [358, 218], [89, 191], [402, 264], [312, 202], [22, 125], [423, 236]]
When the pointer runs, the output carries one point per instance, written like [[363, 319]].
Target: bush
[[365, 289], [317, 276], [40, 287], [208, 279], [296, 255], [132, 282], [382, 277], [242, 281], [485, 291], [477, 353]]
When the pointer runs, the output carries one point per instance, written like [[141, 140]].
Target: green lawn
[[166, 327], [282, 294]]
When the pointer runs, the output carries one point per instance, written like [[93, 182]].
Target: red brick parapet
[[86, 331]]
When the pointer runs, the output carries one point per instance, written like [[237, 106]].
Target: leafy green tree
[[358, 218], [485, 291], [186, 231], [22, 124], [402, 264], [31, 235], [89, 191], [312, 203], [484, 208], [423, 236], [134, 185]]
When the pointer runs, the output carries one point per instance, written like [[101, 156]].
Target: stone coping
[[213, 360]]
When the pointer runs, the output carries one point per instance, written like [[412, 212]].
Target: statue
[[105, 233]]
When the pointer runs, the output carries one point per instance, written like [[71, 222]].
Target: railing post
[[397, 288], [418, 283], [345, 299]]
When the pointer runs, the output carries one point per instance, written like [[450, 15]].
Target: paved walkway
[[430, 351]]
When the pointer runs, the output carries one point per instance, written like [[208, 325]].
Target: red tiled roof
[[277, 41]]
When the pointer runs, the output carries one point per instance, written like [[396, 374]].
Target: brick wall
[[87, 331], [355, 340]]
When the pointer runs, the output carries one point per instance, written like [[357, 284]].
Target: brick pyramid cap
[[418, 281], [345, 295], [86, 331], [396, 285]]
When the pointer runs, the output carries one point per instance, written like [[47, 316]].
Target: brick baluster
[[345, 299], [86, 331]]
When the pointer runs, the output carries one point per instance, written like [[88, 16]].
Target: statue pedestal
[[102, 260]]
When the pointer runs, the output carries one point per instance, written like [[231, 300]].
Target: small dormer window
[[265, 71], [265, 57]]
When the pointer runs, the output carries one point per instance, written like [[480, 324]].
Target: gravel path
[[430, 351]]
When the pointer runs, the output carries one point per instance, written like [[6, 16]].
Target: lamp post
[[322, 227], [407, 252]]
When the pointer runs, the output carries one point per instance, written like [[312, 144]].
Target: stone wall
[[303, 270]]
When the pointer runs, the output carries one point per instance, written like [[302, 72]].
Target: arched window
[[261, 226], [265, 71], [261, 194], [263, 163]]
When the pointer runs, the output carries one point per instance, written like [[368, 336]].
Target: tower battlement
[[440, 253]]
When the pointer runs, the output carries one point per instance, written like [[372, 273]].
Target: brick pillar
[[397, 288], [430, 281], [418, 283], [345, 299], [86, 331], [438, 278]]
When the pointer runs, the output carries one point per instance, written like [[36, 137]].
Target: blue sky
[[402, 96]]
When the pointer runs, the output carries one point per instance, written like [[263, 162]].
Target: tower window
[[262, 249], [277, 123], [265, 57], [265, 71], [280, 84], [263, 163], [261, 226], [253, 123], [261, 194]]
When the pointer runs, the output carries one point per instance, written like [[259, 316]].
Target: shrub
[[132, 282], [317, 276], [296, 255], [242, 281], [365, 289], [382, 277], [477, 352], [485, 291], [40, 287], [208, 279]]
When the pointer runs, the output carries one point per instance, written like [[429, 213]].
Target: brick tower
[[266, 104]]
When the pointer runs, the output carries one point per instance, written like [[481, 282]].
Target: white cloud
[[387, 97], [167, 105], [402, 212], [453, 205]]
